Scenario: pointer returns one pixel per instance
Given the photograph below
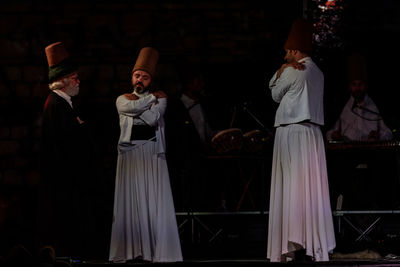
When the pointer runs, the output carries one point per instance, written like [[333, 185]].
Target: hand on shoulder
[[336, 136], [159, 94], [297, 65], [131, 96]]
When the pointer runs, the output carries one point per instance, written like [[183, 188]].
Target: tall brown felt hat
[[300, 36], [147, 60], [356, 68], [59, 61]]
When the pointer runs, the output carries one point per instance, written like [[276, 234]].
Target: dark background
[[238, 44]]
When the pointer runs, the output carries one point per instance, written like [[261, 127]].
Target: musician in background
[[188, 136], [360, 119], [364, 177], [192, 112]]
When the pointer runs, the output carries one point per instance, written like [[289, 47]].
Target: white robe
[[300, 214], [144, 222]]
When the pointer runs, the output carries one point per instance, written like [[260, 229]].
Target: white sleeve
[[273, 80], [336, 127], [133, 108], [157, 110], [384, 132], [280, 86]]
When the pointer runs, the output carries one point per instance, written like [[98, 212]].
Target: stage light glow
[[327, 17]]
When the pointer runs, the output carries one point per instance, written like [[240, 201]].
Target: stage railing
[[339, 215]]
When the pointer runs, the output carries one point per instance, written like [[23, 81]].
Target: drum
[[228, 140], [253, 141]]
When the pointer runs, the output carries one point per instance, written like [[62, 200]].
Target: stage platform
[[240, 239], [246, 262]]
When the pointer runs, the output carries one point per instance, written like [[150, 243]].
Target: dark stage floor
[[248, 262], [364, 238]]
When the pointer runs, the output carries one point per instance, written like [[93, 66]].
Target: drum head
[[228, 140], [255, 140]]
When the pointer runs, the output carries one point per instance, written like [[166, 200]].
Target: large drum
[[253, 141], [229, 140]]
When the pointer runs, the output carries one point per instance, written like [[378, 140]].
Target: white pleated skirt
[[144, 222], [300, 214]]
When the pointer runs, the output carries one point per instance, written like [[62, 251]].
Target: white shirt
[[299, 94], [356, 123], [64, 95]]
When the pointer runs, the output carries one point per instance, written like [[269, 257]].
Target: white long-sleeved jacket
[[299, 94], [145, 110]]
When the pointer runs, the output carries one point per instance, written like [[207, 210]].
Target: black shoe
[[300, 255]]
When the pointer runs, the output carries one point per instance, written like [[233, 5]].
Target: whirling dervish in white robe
[[300, 215], [144, 222]]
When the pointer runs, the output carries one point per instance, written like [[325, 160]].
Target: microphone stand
[[396, 122], [379, 117], [370, 111], [246, 109]]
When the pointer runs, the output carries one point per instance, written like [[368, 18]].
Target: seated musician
[[187, 115], [360, 119], [362, 177]]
